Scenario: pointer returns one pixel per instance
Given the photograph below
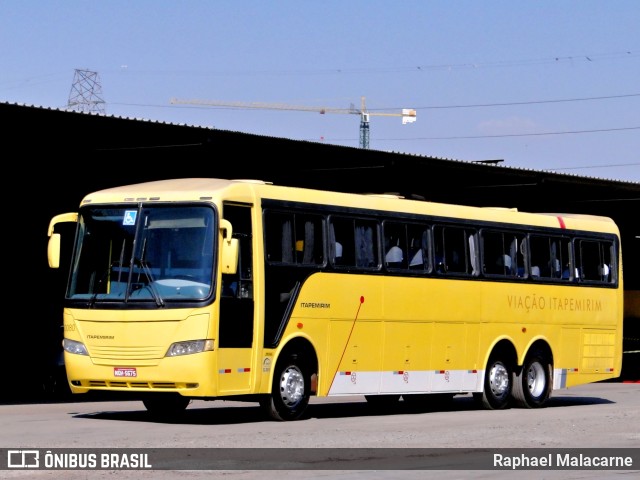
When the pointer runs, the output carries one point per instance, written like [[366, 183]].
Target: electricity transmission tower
[[86, 92]]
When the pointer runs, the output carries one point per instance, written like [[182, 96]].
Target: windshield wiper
[[149, 275], [106, 273]]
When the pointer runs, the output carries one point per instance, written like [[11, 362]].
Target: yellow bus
[[239, 289]]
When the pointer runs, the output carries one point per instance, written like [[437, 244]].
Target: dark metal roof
[[57, 156], [86, 152]]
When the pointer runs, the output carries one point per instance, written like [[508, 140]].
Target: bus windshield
[[147, 253]]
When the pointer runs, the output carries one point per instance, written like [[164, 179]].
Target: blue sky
[[545, 85]]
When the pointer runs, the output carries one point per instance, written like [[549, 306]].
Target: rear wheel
[[533, 383], [497, 384], [290, 391]]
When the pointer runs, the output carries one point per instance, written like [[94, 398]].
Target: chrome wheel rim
[[499, 380], [291, 386], [536, 379]]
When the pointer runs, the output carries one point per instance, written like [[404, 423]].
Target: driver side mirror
[[229, 249], [53, 250]]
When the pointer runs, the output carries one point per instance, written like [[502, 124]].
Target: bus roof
[[208, 189]]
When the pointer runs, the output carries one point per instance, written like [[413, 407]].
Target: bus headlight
[[189, 347], [72, 346]]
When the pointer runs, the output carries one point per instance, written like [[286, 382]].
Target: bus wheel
[[290, 391], [165, 405], [532, 384], [497, 385]]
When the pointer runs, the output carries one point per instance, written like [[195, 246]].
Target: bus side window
[[539, 256], [457, 245], [341, 241], [366, 243], [308, 244], [395, 245], [364, 246], [359, 241], [492, 253], [438, 249], [552, 255], [420, 248], [308, 239], [279, 237], [516, 256], [503, 253], [287, 241], [593, 259]]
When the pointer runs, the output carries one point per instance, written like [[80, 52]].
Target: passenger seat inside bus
[[394, 257], [417, 260], [504, 261], [604, 271], [338, 252]]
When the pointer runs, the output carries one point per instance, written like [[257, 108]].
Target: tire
[[497, 384], [533, 383], [165, 405], [290, 391]]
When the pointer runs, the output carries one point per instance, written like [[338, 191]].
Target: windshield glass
[[159, 253]]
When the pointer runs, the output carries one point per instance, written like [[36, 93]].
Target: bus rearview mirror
[[229, 249], [53, 250]]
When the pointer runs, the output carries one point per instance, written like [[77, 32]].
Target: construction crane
[[408, 115]]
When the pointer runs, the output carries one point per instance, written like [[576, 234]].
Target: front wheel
[[533, 383], [290, 391], [497, 384]]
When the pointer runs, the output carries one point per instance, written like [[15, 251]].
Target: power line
[[539, 134], [599, 166], [532, 102], [571, 59]]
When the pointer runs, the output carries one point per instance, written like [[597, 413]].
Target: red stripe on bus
[[561, 222]]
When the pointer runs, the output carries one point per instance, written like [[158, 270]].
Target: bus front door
[[237, 312]]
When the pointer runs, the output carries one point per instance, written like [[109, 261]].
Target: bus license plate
[[125, 372]]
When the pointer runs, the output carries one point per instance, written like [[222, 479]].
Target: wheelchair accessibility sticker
[[129, 217]]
